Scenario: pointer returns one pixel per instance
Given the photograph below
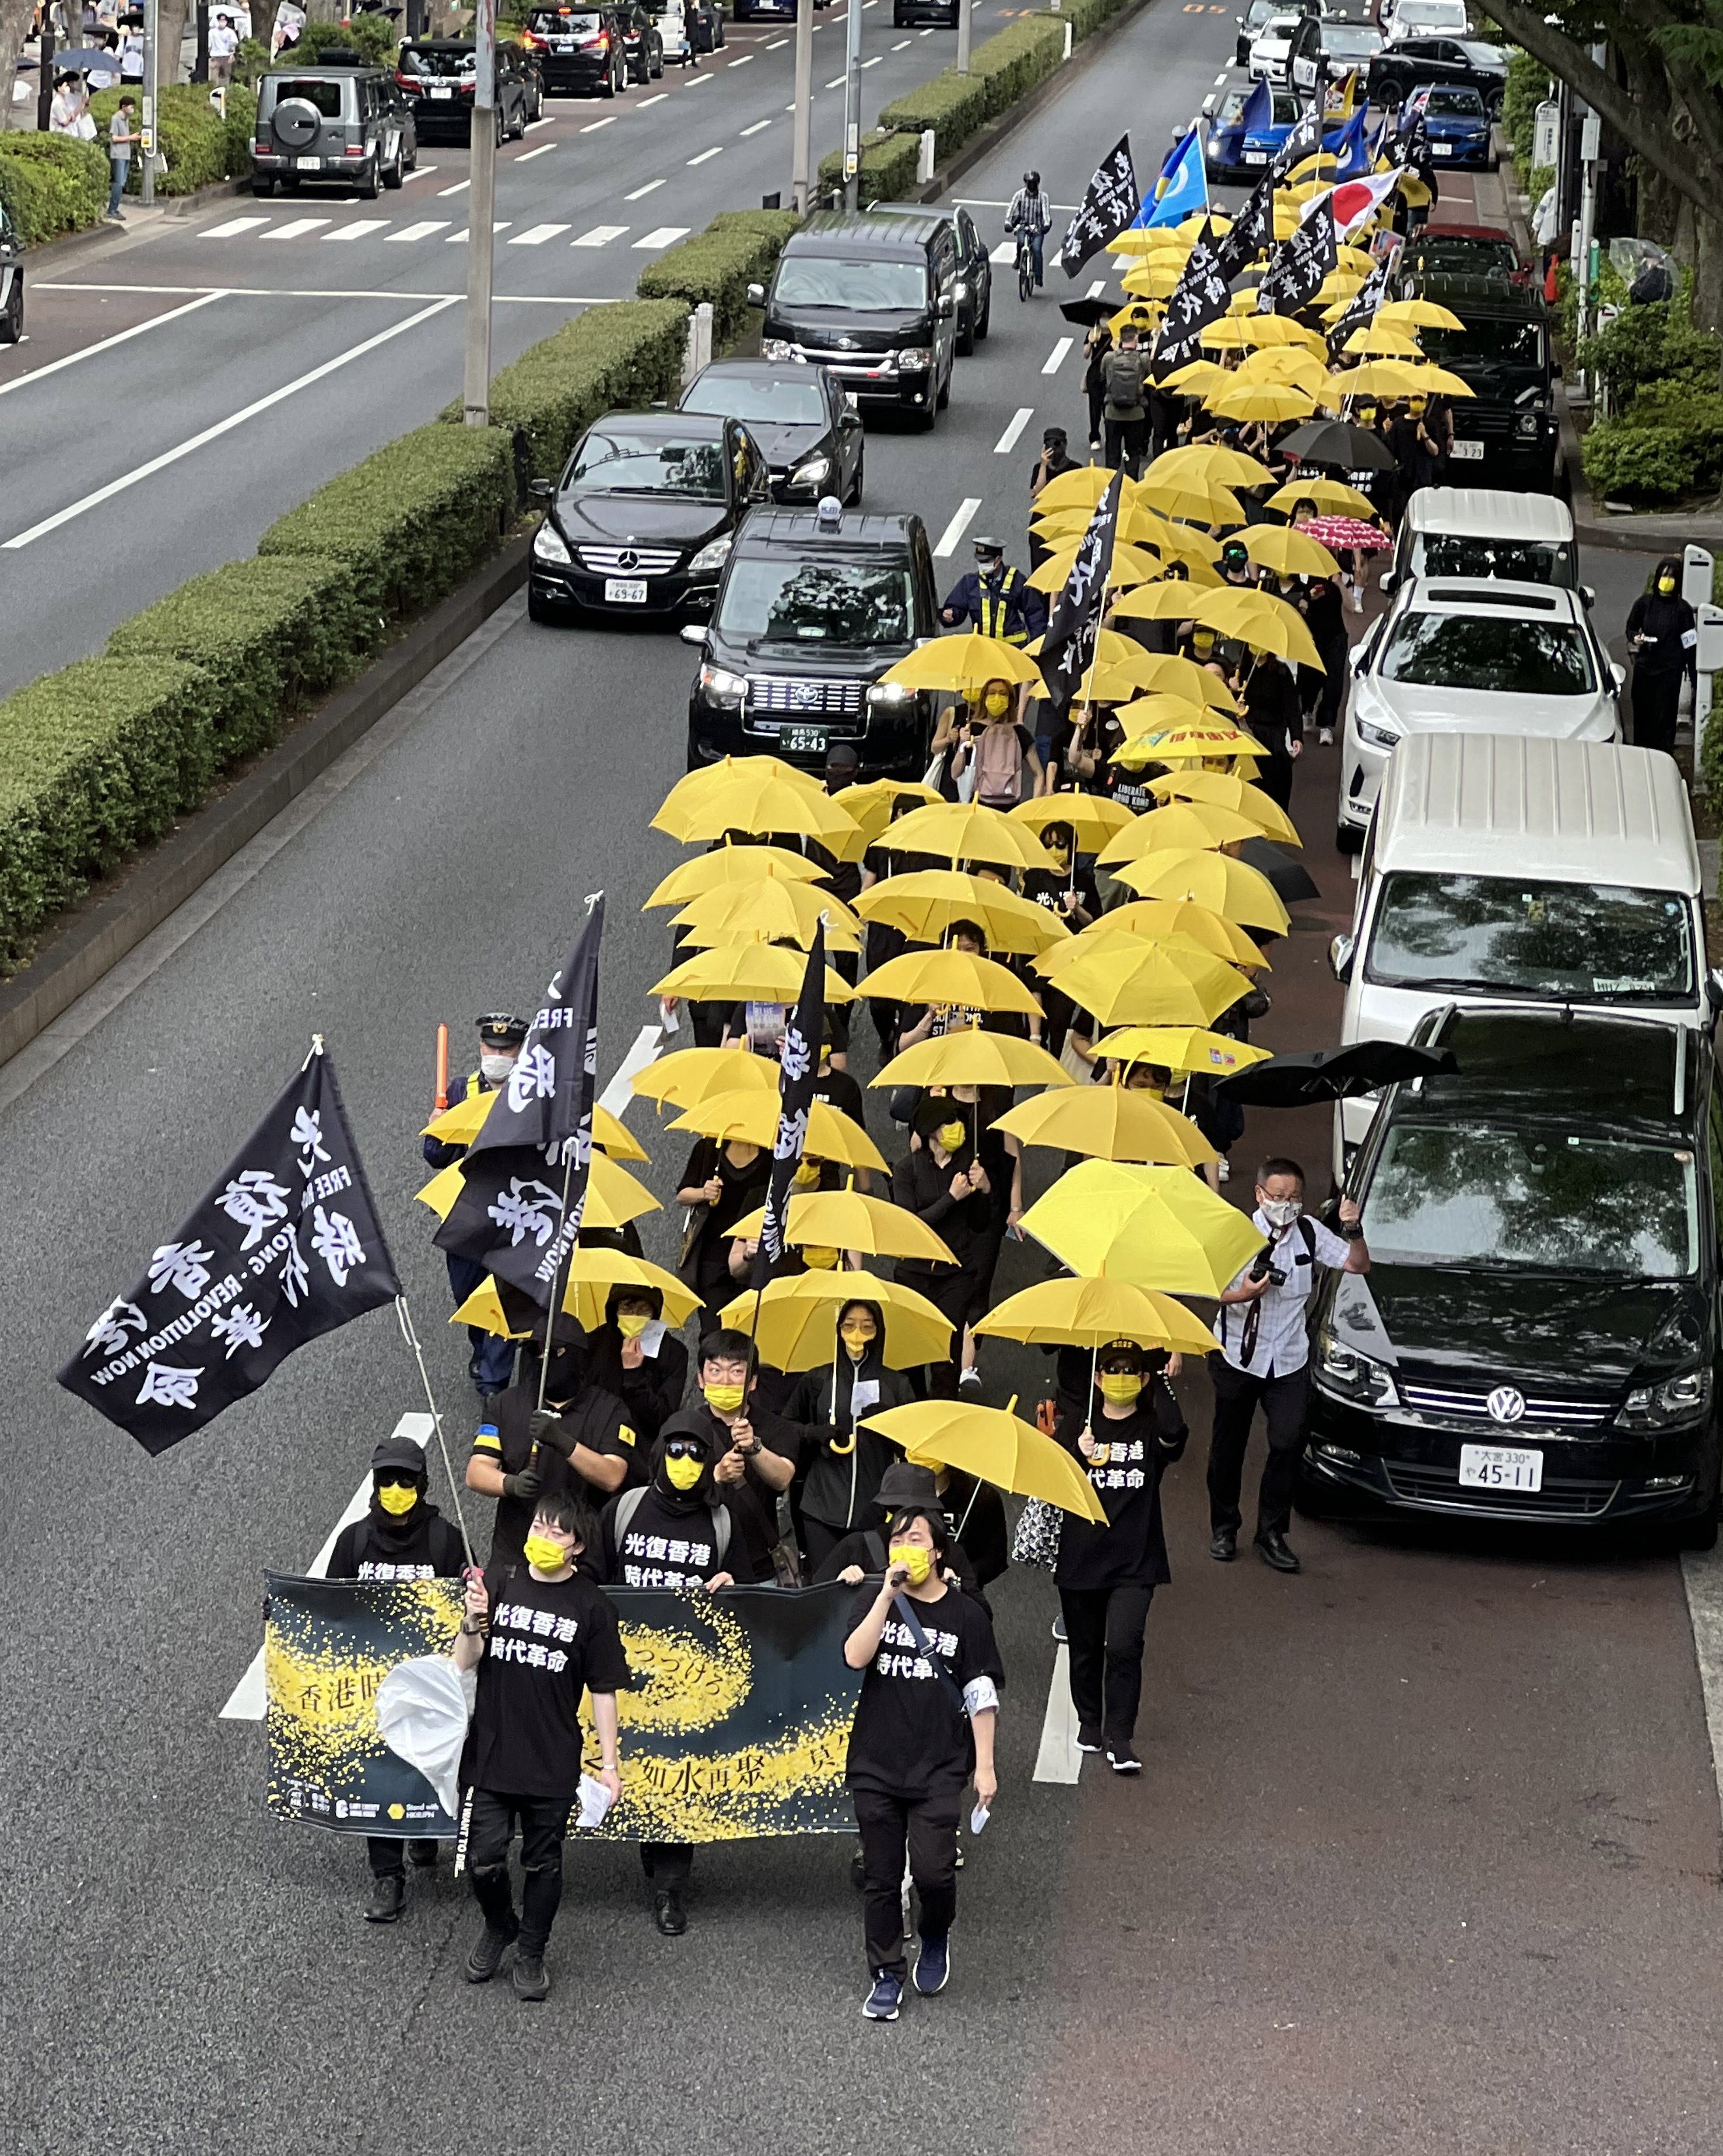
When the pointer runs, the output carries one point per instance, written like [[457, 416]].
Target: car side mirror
[[692, 632], [1340, 954], [542, 490], [1588, 595], [945, 307], [1360, 660], [1619, 671], [756, 295]]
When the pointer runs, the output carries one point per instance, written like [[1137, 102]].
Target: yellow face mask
[[1666, 585], [544, 1555], [997, 706], [724, 1399], [631, 1323], [857, 1338], [1121, 1387], [951, 1136], [915, 1561], [682, 1471], [1061, 854], [807, 1175], [819, 1257], [396, 1497]]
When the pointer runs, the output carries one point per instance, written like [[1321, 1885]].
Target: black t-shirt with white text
[[596, 1420], [911, 1737], [661, 1546], [549, 1641]]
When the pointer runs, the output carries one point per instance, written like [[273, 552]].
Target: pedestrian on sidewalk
[[122, 135], [224, 43], [1663, 639]]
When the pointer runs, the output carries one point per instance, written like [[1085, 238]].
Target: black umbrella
[[1086, 313], [1335, 442], [1332, 1074], [1292, 880], [86, 58]]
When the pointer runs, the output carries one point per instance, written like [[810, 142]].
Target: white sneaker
[[1325, 737], [970, 1377]]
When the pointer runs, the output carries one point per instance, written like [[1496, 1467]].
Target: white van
[[1481, 531], [1513, 869]]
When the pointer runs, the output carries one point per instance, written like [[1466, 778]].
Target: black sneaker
[[932, 1967], [486, 1959], [668, 1914], [885, 2002], [1089, 1737], [1225, 1546], [531, 1982], [388, 1893], [1122, 1760]]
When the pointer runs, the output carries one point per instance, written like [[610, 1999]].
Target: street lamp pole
[[147, 124], [801, 171], [480, 232], [852, 109], [963, 37]]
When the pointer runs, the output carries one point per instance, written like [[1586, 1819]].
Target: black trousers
[[1125, 440], [1657, 700], [927, 1827], [387, 1854], [492, 1820], [1284, 1401], [1105, 1626], [667, 1863]]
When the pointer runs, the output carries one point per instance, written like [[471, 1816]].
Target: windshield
[[854, 604], [326, 96], [1502, 341], [1514, 561], [1455, 105], [1350, 44], [1489, 56], [547, 23], [737, 397], [1575, 942], [1464, 258], [438, 59], [618, 463], [814, 280], [1478, 1194], [1504, 657], [1430, 15]]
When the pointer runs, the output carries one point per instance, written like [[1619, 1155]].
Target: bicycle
[[1026, 264]]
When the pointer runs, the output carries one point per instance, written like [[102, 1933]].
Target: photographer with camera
[[1265, 1356]]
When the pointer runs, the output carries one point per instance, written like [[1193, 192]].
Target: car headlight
[[724, 687], [1526, 423], [712, 557], [810, 472], [548, 545], [778, 348], [1375, 735], [889, 696], [1682, 1399], [916, 360], [1350, 1374]]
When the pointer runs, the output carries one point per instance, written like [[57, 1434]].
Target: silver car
[[346, 126]]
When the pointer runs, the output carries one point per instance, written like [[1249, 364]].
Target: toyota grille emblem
[[846, 344], [805, 696], [1506, 1404], [628, 559]]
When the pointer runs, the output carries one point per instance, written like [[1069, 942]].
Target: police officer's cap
[[984, 547], [502, 1029]]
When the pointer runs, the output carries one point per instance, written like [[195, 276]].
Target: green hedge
[[952, 105], [373, 36], [1527, 87], [409, 522], [51, 184], [94, 762], [737, 249], [625, 355], [886, 170], [201, 148], [1003, 69]]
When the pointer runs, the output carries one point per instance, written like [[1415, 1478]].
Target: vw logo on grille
[[628, 559], [1506, 1404]]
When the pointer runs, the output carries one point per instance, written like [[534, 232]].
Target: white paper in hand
[[595, 1802], [864, 1396], [979, 1819], [422, 1708]]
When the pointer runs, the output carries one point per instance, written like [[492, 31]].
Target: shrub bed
[[886, 171], [628, 354], [201, 148], [738, 249], [51, 184], [1665, 437]]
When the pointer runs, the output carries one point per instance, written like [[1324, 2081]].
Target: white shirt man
[[224, 43], [1265, 1355]]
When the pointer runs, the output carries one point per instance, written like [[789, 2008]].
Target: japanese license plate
[[1468, 452], [442, 93], [1441, 149], [309, 164], [804, 740], [1256, 157], [1500, 1467], [624, 591]]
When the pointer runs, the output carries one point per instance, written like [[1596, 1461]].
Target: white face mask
[[1281, 1212], [495, 1066]]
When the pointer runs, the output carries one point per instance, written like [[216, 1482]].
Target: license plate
[[624, 591], [309, 164], [804, 740], [1256, 157], [442, 93], [1500, 1467], [1468, 452], [1442, 149]]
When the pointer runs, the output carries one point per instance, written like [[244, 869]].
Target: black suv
[[1397, 70], [582, 48], [1508, 428], [814, 607], [1536, 1338], [437, 76], [974, 268], [11, 279], [351, 125]]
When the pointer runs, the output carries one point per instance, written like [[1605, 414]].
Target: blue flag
[[1182, 189], [1258, 109], [1347, 143]]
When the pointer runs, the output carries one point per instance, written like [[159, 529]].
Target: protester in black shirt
[[923, 1726], [581, 1442], [963, 1178], [720, 1185], [753, 1454], [540, 1635], [635, 1358], [1107, 1576], [1272, 713], [1324, 609], [839, 1464], [971, 1507], [1663, 639]]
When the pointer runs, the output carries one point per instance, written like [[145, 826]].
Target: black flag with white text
[[1250, 232], [1109, 208], [1068, 648], [1304, 141], [1300, 265], [1201, 296], [1361, 308], [799, 1059]]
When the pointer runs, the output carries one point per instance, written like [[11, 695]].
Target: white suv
[[1471, 657]]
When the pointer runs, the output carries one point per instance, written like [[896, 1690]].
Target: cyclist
[[1030, 215]]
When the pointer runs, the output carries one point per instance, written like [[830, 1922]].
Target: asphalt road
[[1425, 1856]]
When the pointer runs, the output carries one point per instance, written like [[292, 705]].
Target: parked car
[[1345, 49], [642, 42], [1247, 122], [643, 518], [579, 49], [814, 606], [974, 267], [1423, 18], [805, 424], [437, 76], [11, 279], [1282, 40], [771, 11], [1257, 12], [1537, 1340], [1487, 657], [1509, 424], [1463, 251], [1456, 124], [1486, 531], [1414, 63], [348, 124], [705, 23]]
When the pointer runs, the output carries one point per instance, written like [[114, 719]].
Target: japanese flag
[[1356, 202]]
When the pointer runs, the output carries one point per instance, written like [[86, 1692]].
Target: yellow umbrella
[[1288, 552], [745, 972], [1081, 489], [1332, 496], [1380, 340], [751, 793], [1210, 464], [1200, 505], [1140, 240], [926, 904], [850, 1220], [1417, 195], [1260, 620], [1092, 818], [1112, 1122], [749, 912], [1167, 601], [961, 665], [1204, 741], [1186, 1050], [1137, 526], [965, 831], [994, 1446], [461, 1123], [1141, 315], [1375, 378], [719, 777], [1132, 982], [1226, 335], [1166, 674], [1156, 278], [1195, 377], [1220, 791], [591, 1276], [1268, 402], [951, 980], [798, 1316], [751, 1117], [1430, 380], [1217, 880], [614, 1197], [1421, 314], [1178, 828], [1318, 162], [972, 1056], [1157, 1227], [1094, 1313], [870, 807], [1355, 258], [1153, 917], [1338, 284], [1284, 363], [695, 1074], [1280, 331], [732, 865], [1129, 565], [1166, 711]]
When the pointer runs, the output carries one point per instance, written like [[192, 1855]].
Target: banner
[[799, 1065], [1299, 266], [1068, 648], [1252, 230], [1107, 210], [1201, 296], [285, 1247]]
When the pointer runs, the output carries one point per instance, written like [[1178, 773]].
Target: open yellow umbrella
[[1280, 329], [751, 1117], [732, 865], [1186, 1050], [1210, 464], [1167, 711], [695, 1074], [951, 980], [1332, 496], [1375, 378], [1163, 673], [1217, 880], [1137, 526], [614, 1197], [1177, 828], [870, 808], [1146, 239], [1288, 552], [1269, 402], [1380, 340], [1157, 1227], [1133, 982], [718, 778], [1154, 919], [850, 1220], [1092, 818], [591, 1276], [746, 973], [1112, 1122], [753, 793], [460, 1123], [798, 1317], [1429, 380], [1140, 315], [1221, 791], [961, 665], [926, 905], [1226, 335], [1129, 565], [994, 1446], [1195, 504], [1195, 377], [965, 831], [764, 912], [1157, 277], [1081, 489], [1264, 623], [1170, 599], [1291, 363], [1093, 1313], [970, 1055], [1420, 314], [1204, 741]]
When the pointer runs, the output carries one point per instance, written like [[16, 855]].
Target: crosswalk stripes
[[460, 238], [233, 227], [295, 229], [422, 230], [359, 228], [601, 235], [536, 235], [666, 236], [355, 229]]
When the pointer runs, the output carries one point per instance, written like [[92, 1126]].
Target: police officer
[[1264, 1358], [996, 600], [501, 1036]]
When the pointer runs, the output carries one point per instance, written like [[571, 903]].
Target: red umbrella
[[1346, 532]]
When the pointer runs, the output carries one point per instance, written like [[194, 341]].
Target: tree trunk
[[170, 35], [14, 28]]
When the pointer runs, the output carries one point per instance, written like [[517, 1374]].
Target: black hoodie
[[673, 1537], [838, 1486], [417, 1545]]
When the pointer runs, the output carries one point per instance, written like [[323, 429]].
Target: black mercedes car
[[1537, 1338], [806, 426], [641, 521], [1415, 62]]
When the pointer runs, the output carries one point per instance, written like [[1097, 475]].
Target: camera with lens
[[1263, 1267]]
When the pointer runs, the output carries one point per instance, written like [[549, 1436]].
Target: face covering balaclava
[[398, 1473], [683, 1477]]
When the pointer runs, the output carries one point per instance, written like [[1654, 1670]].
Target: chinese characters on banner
[[286, 1247], [1069, 645], [1300, 265], [1109, 208], [800, 1065], [1200, 296], [1250, 232]]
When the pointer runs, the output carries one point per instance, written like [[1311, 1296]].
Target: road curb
[[68, 245], [102, 930]]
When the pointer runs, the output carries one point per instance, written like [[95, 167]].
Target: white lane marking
[[222, 426], [875, 61], [233, 227], [776, 44], [646, 190], [619, 1093], [120, 336], [423, 230], [657, 97], [542, 121], [592, 127], [1220, 81], [836, 83], [663, 236], [715, 151], [535, 235], [601, 235], [696, 82], [460, 238], [1058, 1759], [419, 172], [743, 61], [903, 44], [755, 128], [359, 228], [249, 1700], [393, 297], [1056, 257], [527, 156], [1097, 288], [294, 228], [951, 537], [1005, 252], [1020, 420], [460, 187], [1055, 358]]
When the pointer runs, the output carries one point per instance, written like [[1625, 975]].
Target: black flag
[[1200, 296], [1361, 308], [1250, 232], [1109, 208], [1068, 647], [285, 1247], [524, 1186], [798, 1073], [1304, 141], [1300, 265]]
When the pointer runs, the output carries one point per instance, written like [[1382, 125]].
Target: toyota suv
[[438, 77], [814, 607], [346, 123]]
